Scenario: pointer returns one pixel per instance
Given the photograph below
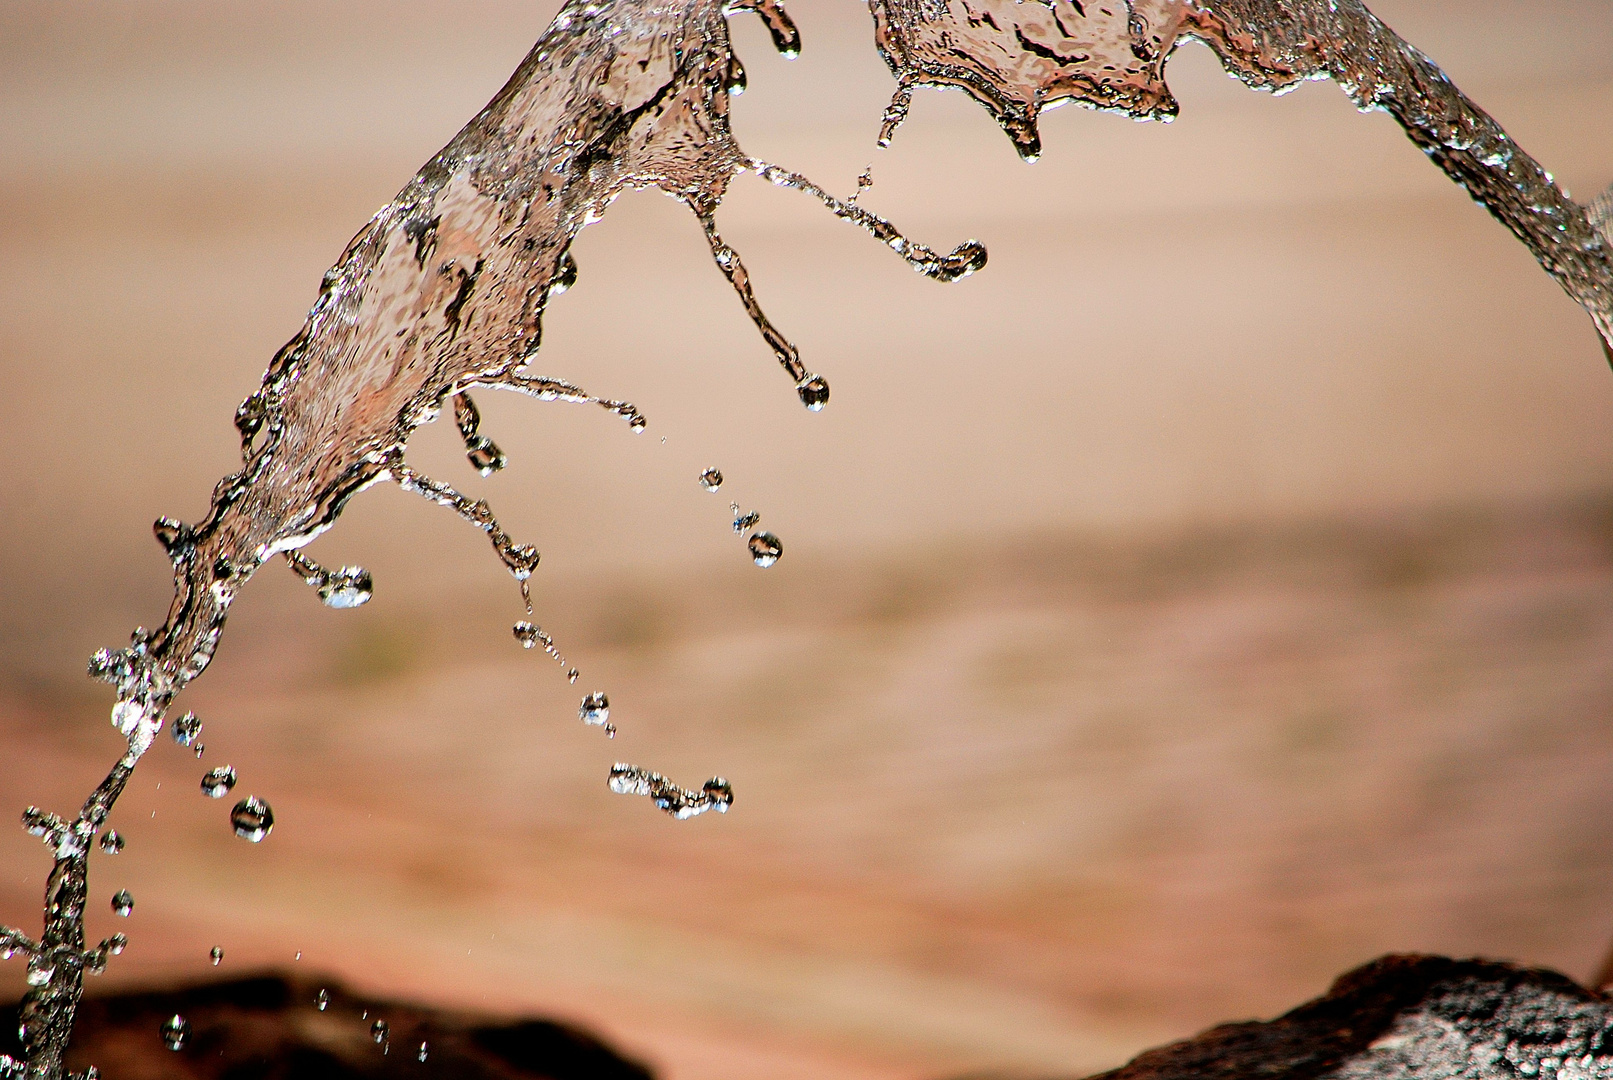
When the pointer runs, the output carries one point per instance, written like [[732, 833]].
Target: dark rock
[[269, 1027], [1409, 1016]]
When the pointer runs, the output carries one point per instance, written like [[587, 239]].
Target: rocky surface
[[270, 1027], [1397, 1017], [1409, 1016]]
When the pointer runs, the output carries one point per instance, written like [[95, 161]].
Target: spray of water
[[442, 293]]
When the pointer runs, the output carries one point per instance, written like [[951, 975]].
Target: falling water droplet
[[252, 819], [711, 479], [175, 1032], [765, 549], [746, 521], [122, 902], [595, 708], [116, 944], [111, 842], [571, 676], [217, 784], [378, 1031], [322, 1000], [185, 729], [349, 587], [637, 423], [526, 633], [814, 391], [201, 748], [425, 1049], [217, 955]]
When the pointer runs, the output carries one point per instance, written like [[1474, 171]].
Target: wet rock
[[1409, 1016], [269, 1027]]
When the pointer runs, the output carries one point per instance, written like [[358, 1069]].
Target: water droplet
[[111, 842], [526, 633], [425, 1049], [201, 748], [571, 676], [217, 784], [185, 729], [711, 479], [746, 521], [565, 275], [116, 944], [595, 708], [322, 1000], [485, 456], [126, 716], [814, 391], [349, 587], [122, 902], [217, 955], [378, 1031], [637, 423], [175, 1032], [765, 549], [252, 819]]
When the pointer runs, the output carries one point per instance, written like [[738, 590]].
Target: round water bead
[[175, 1032], [595, 708], [217, 783], [116, 944], [711, 479], [252, 818], [349, 587], [216, 955], [526, 633], [186, 729], [765, 549], [111, 842], [122, 902], [814, 391], [378, 1031], [322, 1000]]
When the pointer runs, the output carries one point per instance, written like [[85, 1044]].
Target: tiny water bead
[[216, 955], [595, 709], [122, 903], [765, 549], [571, 676], [252, 818], [711, 479], [111, 842], [217, 783], [186, 729], [378, 1031], [814, 392], [175, 1032], [349, 587], [746, 521], [322, 1000], [424, 1052], [526, 633]]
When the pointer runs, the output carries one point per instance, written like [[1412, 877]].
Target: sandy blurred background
[[1214, 593]]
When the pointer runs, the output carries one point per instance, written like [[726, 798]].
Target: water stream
[[441, 295]]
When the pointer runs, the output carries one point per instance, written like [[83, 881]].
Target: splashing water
[[442, 293]]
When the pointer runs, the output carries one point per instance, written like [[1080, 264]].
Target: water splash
[[1019, 59], [442, 293]]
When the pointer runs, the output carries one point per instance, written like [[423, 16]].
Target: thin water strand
[[715, 794]]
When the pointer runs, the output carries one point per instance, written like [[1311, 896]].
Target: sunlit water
[[442, 293]]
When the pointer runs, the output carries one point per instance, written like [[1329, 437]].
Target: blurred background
[[1214, 593]]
